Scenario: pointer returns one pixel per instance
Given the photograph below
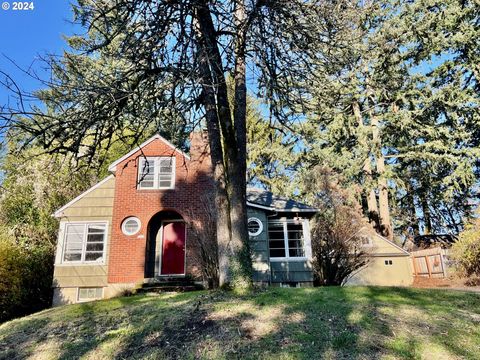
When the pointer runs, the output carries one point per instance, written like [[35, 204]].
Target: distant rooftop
[[266, 198]]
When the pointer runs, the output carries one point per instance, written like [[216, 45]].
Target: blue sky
[[26, 34]]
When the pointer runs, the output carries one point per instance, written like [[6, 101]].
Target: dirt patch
[[452, 283]]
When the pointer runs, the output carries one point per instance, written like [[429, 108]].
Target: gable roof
[[387, 241], [113, 166], [268, 201], [58, 213]]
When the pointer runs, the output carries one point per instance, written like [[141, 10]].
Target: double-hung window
[[156, 173], [84, 243], [286, 239]]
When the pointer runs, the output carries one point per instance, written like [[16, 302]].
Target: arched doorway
[[166, 240]]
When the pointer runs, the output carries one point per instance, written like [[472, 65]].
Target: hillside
[[309, 323]]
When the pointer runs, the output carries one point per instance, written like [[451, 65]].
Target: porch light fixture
[[131, 225]]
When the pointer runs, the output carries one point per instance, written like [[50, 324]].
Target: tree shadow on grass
[[275, 323]]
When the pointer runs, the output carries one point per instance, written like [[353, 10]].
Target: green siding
[[286, 271], [276, 271], [259, 247]]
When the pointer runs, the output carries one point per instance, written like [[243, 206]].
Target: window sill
[[81, 264], [155, 189]]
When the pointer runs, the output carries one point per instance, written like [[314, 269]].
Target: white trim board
[[58, 213], [113, 166]]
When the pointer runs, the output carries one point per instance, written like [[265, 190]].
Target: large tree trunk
[[223, 223], [384, 210], [372, 208], [238, 180], [234, 258]]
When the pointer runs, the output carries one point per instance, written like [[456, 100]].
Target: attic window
[[156, 173]]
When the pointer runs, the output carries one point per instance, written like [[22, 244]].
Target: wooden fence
[[430, 263]]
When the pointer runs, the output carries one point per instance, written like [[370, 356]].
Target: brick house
[[135, 226]]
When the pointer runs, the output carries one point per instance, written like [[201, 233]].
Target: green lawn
[[309, 323]]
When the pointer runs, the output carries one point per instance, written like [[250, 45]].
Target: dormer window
[[156, 173]]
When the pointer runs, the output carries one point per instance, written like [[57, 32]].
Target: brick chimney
[[200, 150]]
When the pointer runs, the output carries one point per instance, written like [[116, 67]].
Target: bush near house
[[336, 241], [25, 278], [466, 250]]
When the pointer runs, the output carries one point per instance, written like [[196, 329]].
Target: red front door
[[173, 248]]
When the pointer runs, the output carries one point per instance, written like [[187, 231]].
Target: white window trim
[[260, 226], [61, 246], [125, 232], [156, 160], [307, 247], [89, 287]]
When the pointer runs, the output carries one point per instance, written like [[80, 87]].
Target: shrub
[[25, 277], [10, 278], [466, 250], [336, 231]]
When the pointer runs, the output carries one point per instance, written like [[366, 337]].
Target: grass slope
[[310, 323]]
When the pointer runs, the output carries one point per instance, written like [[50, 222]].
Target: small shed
[[388, 265]]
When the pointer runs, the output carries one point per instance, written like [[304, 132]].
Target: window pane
[[95, 238], [295, 240], [276, 240], [165, 173], [72, 257], [131, 226], [166, 163], [277, 244], [95, 247], [277, 252], [98, 293], [296, 252], [295, 244], [276, 235], [89, 293], [73, 242], [96, 229], [147, 167], [146, 184], [96, 234], [94, 256], [146, 173]]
